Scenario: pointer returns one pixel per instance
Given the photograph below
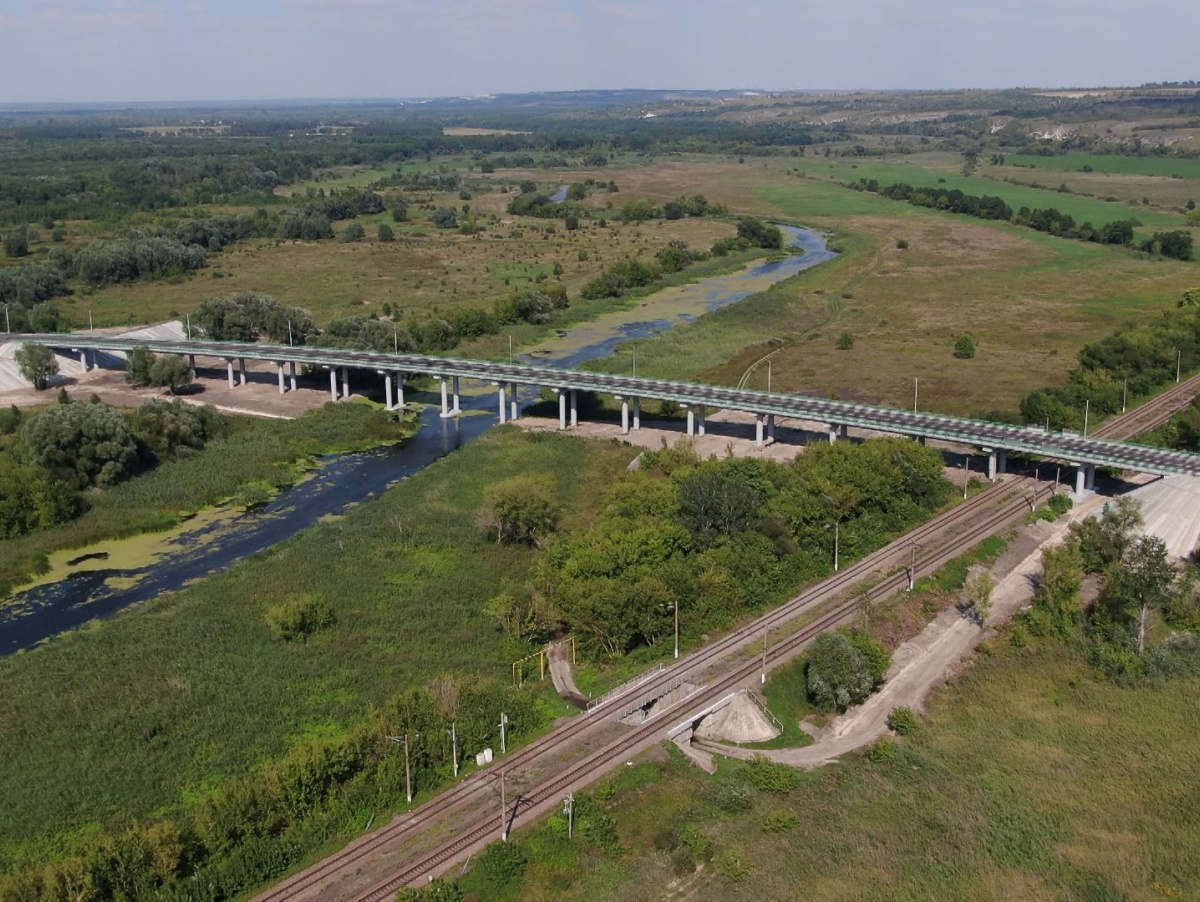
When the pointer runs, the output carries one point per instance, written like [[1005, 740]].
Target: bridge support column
[[282, 389], [771, 428], [921, 440], [833, 432], [1089, 482], [562, 408], [192, 366], [624, 415], [457, 405], [574, 408], [516, 405], [502, 387], [241, 371], [845, 431], [399, 390], [445, 397], [1080, 480], [759, 422], [991, 465], [387, 390], [332, 382], [700, 414], [229, 366], [292, 374], [345, 382], [691, 421], [637, 413], [1001, 461], [83, 361]]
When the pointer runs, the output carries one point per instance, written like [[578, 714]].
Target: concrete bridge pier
[[345, 382], [691, 421], [771, 428], [192, 367], [83, 360], [562, 408], [292, 374], [399, 390], [637, 413], [387, 389], [229, 367], [833, 433], [332, 382], [457, 409], [241, 371], [700, 413], [1089, 482], [759, 423], [991, 464], [502, 388], [624, 414], [1080, 479], [574, 408], [516, 405], [445, 397], [282, 389]]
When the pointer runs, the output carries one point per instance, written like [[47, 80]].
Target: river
[[343, 481]]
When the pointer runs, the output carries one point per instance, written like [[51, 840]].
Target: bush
[[903, 721], [126, 260], [521, 510], [766, 775], [82, 444], [16, 242], [902, 244], [296, 620], [170, 429], [845, 341], [837, 675], [445, 218], [964, 348], [354, 232], [501, 863], [137, 366], [170, 371], [759, 234], [882, 751], [385, 232]]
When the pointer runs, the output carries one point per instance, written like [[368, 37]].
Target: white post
[[562, 409], [332, 381], [292, 369], [229, 366], [241, 370], [1080, 480], [192, 367], [457, 406], [771, 428], [387, 389], [399, 390], [516, 410], [445, 397], [345, 382], [991, 466], [503, 402], [574, 408], [700, 420], [691, 421], [282, 389], [83, 360], [624, 416], [833, 433], [637, 413], [758, 429]]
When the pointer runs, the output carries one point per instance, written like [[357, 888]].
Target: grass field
[[1029, 780], [143, 712], [1166, 167]]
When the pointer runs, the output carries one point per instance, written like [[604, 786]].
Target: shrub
[[881, 751], [170, 371], [759, 234], [354, 232], [82, 444], [903, 721], [780, 822], [520, 510], [845, 341], [137, 366], [874, 653], [766, 775], [837, 675], [501, 863], [298, 619], [171, 428], [902, 244], [445, 218], [964, 348]]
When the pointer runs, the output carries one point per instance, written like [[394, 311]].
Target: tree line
[[1174, 244]]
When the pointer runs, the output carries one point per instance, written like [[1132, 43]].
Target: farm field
[[1030, 779]]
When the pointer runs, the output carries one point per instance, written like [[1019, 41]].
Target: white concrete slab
[[1171, 508]]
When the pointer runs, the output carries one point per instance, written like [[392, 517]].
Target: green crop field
[[1166, 167], [148, 710]]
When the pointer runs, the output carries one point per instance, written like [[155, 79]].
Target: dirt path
[[560, 673], [924, 661]]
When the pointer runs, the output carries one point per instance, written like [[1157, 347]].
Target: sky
[[66, 51]]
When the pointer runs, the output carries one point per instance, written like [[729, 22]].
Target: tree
[[1102, 542], [82, 444], [37, 365], [759, 234], [838, 677], [399, 207], [170, 429], [521, 510], [170, 371], [16, 242], [673, 209], [445, 218], [1143, 582], [354, 232], [978, 589], [964, 348], [385, 232], [137, 367], [714, 504], [1056, 599]]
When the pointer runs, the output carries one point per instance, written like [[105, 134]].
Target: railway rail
[[1152, 413], [958, 521]]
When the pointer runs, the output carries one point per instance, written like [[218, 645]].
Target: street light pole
[[187, 316], [1087, 406], [503, 740], [768, 377], [916, 382], [453, 731], [503, 811], [635, 363], [1178, 361], [763, 677], [1124, 394], [676, 626]]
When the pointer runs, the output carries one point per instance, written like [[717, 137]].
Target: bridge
[[995, 439]]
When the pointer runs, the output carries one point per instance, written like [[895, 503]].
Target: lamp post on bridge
[[916, 381]]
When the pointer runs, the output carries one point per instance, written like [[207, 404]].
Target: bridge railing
[[628, 686]]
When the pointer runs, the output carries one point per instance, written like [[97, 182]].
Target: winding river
[[343, 481]]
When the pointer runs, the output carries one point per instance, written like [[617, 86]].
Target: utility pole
[[187, 316], [966, 477], [503, 811], [1178, 362], [768, 377], [836, 541], [1124, 393], [503, 724], [92, 328], [676, 626], [290, 342], [763, 678], [407, 769], [912, 570], [635, 363], [510, 356], [569, 811], [8, 325], [916, 381], [1057, 471], [1087, 406], [453, 731]]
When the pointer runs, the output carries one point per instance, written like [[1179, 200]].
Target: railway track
[[474, 787], [1153, 413], [591, 767]]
